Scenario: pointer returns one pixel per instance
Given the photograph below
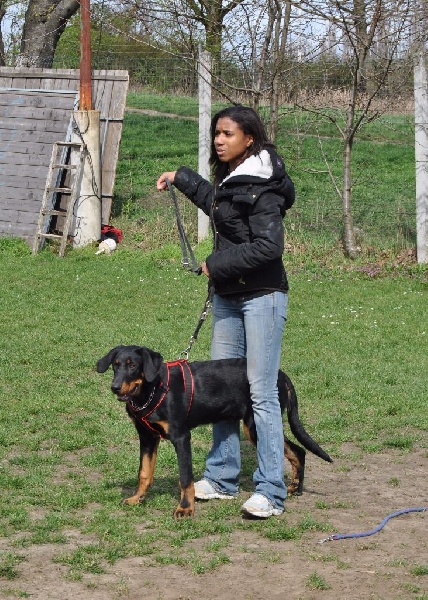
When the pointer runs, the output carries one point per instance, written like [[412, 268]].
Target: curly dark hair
[[250, 123]]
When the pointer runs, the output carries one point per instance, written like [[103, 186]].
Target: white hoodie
[[257, 166]]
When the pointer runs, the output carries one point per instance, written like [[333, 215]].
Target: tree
[[268, 52], [180, 22], [281, 10], [2, 52], [369, 34], [45, 21], [211, 14]]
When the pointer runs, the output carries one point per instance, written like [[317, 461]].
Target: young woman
[[246, 205]]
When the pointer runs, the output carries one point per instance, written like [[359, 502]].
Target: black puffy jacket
[[246, 213]]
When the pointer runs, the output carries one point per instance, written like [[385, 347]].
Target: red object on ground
[[107, 231]]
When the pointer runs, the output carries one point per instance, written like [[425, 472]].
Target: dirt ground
[[354, 494]]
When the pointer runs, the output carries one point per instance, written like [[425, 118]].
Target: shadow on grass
[[161, 486]]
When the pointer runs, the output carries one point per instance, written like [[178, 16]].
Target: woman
[[246, 204]]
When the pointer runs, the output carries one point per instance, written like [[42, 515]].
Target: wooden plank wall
[[29, 124], [35, 110]]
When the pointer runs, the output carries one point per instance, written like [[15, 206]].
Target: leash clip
[[330, 538], [185, 353]]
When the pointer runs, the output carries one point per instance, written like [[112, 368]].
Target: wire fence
[[299, 80], [384, 208]]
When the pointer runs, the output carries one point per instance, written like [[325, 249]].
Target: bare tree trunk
[[364, 36], [213, 34], [361, 42], [2, 53], [45, 20], [211, 14], [263, 58], [279, 47], [349, 243]]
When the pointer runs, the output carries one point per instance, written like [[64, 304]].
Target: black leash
[[202, 318], [186, 248]]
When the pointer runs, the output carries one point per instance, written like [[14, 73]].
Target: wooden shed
[[36, 107]]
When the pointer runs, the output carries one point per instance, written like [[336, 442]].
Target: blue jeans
[[252, 329]]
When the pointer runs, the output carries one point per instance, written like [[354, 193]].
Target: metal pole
[[421, 155], [85, 97], [204, 80]]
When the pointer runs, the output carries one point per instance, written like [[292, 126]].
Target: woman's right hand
[[161, 183]]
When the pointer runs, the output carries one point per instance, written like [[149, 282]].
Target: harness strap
[[188, 380], [188, 385]]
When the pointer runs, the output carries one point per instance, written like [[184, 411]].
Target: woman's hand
[[205, 269], [161, 183]]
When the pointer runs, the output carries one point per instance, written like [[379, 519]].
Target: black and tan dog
[[168, 399]]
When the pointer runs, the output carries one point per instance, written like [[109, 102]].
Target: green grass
[[8, 565], [355, 346], [184, 106], [316, 582], [420, 570], [383, 166]]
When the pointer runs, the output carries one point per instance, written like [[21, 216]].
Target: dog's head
[[132, 366]]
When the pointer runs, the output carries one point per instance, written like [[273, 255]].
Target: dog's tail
[[288, 399]]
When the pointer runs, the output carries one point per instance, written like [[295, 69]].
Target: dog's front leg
[[148, 453], [186, 507]]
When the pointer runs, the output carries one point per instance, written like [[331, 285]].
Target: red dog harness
[[188, 387]]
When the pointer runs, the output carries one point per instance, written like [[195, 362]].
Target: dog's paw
[[133, 500], [294, 488], [181, 512]]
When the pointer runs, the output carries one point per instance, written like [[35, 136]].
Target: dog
[[168, 399]]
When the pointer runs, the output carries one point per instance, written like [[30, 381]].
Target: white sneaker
[[261, 507], [204, 490]]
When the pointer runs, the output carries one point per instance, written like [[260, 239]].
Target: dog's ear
[[152, 363], [104, 362]]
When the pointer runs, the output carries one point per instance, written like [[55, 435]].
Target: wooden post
[[85, 95], [87, 211], [421, 156], [204, 85]]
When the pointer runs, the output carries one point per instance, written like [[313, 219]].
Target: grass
[[183, 106], [383, 175], [316, 582], [355, 345], [68, 454], [8, 565]]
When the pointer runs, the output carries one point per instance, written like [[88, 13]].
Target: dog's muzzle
[[125, 395]]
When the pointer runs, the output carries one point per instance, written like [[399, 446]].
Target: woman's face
[[230, 142]]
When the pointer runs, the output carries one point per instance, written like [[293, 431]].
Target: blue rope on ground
[[345, 536]]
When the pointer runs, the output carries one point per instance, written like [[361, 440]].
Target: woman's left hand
[[205, 269], [161, 183]]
